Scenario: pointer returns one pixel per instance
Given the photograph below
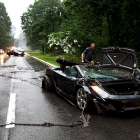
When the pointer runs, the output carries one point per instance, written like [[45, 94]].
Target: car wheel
[[47, 83], [43, 83], [82, 98]]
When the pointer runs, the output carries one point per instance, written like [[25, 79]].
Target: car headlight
[[99, 91]]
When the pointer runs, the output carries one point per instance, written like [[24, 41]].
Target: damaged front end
[[117, 81], [117, 96]]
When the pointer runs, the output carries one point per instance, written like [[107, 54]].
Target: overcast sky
[[15, 9]]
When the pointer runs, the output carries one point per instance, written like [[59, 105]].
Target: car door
[[70, 81], [66, 81], [59, 79]]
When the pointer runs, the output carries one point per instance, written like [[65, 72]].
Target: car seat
[[70, 71]]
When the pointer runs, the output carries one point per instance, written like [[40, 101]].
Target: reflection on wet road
[[3, 58]]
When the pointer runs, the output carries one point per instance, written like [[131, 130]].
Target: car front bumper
[[117, 105]]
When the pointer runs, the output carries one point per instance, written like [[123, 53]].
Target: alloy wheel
[[82, 99]]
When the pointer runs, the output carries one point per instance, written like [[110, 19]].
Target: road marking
[[11, 111], [12, 106]]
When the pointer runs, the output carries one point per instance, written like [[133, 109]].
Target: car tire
[[47, 84], [82, 98]]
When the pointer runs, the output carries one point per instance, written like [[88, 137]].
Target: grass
[[46, 57], [52, 58]]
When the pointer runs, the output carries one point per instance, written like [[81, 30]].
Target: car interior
[[70, 71]]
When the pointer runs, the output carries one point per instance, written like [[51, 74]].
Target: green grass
[[52, 58], [46, 57]]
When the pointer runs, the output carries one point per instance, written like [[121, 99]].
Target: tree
[[84, 23], [41, 19], [5, 28], [104, 22]]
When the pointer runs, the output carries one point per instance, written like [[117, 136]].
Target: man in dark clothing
[[88, 53]]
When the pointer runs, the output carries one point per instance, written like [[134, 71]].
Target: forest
[[70, 26], [5, 28]]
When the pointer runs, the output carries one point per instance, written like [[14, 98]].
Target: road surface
[[22, 100]]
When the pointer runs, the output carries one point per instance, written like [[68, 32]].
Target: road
[[20, 90]]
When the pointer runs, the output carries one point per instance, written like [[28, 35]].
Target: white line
[[11, 111]]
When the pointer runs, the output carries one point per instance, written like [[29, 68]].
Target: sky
[[15, 9]]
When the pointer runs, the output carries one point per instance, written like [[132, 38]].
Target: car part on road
[[85, 119]]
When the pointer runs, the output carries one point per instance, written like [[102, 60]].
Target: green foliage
[[46, 57], [41, 19], [71, 25], [51, 58], [61, 42], [5, 28], [73, 57]]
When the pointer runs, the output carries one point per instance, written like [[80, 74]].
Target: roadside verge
[[42, 61]]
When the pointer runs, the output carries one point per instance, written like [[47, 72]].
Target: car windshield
[[105, 73]]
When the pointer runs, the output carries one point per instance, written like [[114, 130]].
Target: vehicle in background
[[1, 51], [16, 52]]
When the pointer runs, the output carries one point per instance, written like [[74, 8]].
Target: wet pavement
[[22, 76], [3, 58]]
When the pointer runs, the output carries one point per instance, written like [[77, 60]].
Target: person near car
[[88, 53]]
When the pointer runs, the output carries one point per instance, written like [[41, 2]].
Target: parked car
[[112, 84], [16, 52], [1, 51]]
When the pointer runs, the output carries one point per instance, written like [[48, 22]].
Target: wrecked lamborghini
[[112, 84]]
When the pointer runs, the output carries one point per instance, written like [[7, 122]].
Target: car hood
[[118, 57]]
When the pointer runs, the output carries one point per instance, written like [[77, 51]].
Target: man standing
[[88, 53]]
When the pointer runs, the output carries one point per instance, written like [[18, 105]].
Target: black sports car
[[112, 84]]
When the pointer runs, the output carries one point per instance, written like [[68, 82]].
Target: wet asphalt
[[34, 105]]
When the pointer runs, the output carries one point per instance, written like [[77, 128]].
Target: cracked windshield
[[106, 73]]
